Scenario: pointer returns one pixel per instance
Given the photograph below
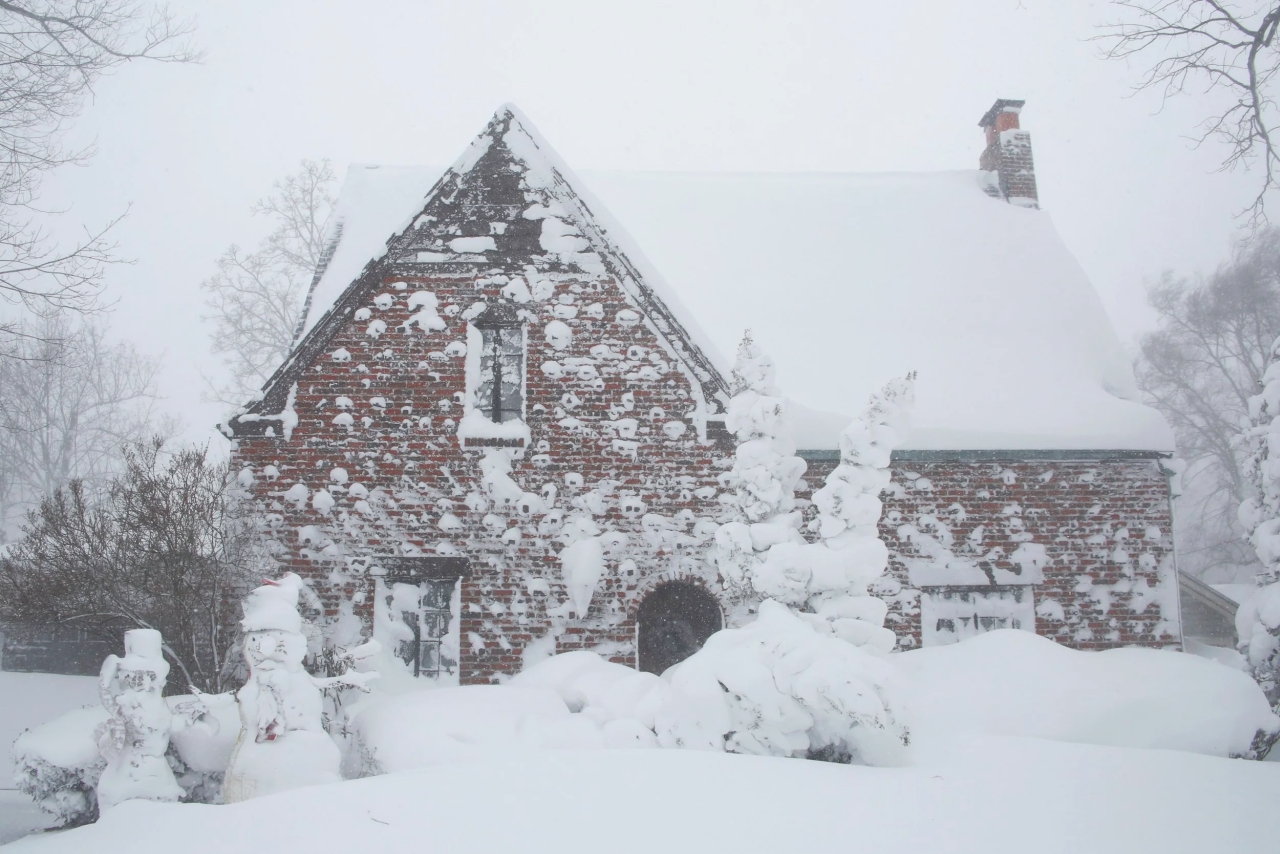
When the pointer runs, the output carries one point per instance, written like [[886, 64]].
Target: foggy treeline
[[1199, 367]]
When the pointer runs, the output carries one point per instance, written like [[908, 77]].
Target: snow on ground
[[30, 699], [1013, 683], [1019, 744], [996, 795], [20, 816]]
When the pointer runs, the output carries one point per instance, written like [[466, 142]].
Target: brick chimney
[[1008, 155]]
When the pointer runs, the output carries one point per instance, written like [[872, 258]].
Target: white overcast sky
[[690, 85]]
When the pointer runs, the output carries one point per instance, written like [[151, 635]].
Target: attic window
[[500, 390]]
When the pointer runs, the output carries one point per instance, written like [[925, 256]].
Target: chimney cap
[[1002, 105]]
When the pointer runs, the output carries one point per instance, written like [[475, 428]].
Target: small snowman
[[135, 737], [282, 743]]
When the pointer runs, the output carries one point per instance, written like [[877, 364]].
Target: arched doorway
[[673, 623]]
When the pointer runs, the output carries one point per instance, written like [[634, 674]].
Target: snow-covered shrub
[[58, 765], [201, 739], [779, 686], [808, 679], [625, 703], [1015, 684]]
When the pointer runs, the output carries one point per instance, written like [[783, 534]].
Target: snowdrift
[[1004, 683], [1014, 683], [1006, 796]]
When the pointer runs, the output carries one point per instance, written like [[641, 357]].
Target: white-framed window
[[499, 393], [951, 614]]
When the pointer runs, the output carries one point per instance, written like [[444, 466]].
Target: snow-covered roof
[[850, 280]]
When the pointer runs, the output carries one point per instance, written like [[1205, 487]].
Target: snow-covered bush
[[780, 686], [1015, 684], [58, 765], [625, 703], [764, 475], [808, 679]]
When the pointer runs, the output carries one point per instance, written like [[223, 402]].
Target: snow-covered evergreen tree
[[762, 551], [808, 677], [849, 512], [1258, 621], [764, 475]]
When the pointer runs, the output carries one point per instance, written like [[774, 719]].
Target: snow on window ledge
[[476, 431]]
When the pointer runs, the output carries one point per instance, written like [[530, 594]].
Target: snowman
[[282, 743], [136, 735]]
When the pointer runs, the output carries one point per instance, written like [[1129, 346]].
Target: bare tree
[[166, 548], [1200, 367], [71, 403], [1212, 46], [258, 300], [52, 52]]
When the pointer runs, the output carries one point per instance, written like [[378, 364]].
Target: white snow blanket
[[1005, 796], [449, 724], [1014, 683], [1003, 683]]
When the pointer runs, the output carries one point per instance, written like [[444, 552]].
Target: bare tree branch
[[52, 52], [72, 402], [257, 300], [1210, 46], [167, 547]]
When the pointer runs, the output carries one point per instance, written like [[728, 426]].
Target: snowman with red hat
[[282, 743]]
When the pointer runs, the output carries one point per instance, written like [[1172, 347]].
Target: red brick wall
[[1105, 524], [406, 454]]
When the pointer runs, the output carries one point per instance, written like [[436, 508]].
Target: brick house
[[491, 365]]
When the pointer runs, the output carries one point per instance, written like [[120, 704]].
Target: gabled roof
[[509, 202], [848, 280]]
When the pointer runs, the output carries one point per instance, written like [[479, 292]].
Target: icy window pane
[[951, 614], [501, 366]]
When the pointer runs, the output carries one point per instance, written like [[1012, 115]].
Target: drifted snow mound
[[1010, 797], [432, 726], [625, 703], [1014, 683]]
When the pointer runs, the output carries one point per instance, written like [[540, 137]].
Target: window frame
[[498, 322]]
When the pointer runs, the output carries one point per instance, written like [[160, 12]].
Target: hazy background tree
[[166, 548], [257, 300], [1224, 51], [1200, 367], [70, 402], [52, 52]]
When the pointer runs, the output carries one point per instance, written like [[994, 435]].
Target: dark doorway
[[674, 622]]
